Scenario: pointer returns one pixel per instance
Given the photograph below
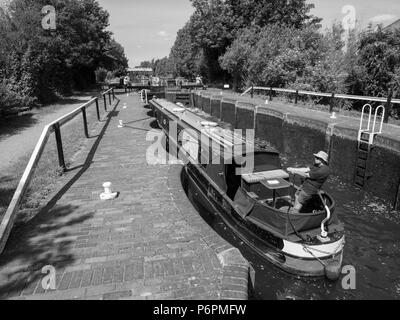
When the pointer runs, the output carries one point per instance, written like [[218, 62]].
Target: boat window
[[265, 161]]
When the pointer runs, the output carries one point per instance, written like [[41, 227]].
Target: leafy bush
[[101, 75], [12, 101]]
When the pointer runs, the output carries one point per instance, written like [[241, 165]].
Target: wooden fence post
[[331, 104], [388, 106], [85, 126], [61, 160], [97, 109]]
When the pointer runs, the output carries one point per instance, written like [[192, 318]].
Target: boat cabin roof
[[198, 122]]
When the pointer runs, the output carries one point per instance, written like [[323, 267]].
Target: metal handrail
[[362, 117], [8, 219], [367, 130], [324, 234], [247, 91], [382, 118], [321, 94]]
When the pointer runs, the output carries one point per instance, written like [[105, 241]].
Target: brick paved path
[[150, 243]]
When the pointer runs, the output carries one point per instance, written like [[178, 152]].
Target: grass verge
[[48, 176]]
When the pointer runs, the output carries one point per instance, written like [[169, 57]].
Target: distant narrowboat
[[256, 205]]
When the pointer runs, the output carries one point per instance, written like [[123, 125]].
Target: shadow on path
[[46, 239], [14, 125]]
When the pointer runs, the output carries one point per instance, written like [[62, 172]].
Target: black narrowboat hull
[[268, 246], [296, 257]]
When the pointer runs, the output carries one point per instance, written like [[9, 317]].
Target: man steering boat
[[315, 178]]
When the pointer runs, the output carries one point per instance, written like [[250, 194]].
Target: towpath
[[149, 243]]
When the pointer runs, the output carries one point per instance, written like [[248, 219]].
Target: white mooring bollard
[[121, 124], [333, 116], [108, 194], [125, 105]]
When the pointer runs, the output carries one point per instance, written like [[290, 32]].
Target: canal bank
[[302, 132], [149, 243]]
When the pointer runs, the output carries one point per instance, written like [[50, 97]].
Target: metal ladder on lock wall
[[365, 141]]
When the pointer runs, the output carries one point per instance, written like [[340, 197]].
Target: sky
[[147, 28]]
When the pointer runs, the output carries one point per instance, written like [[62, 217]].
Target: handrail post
[[61, 160], [109, 97], [331, 103], [383, 118], [85, 126], [388, 106], [97, 109], [252, 92], [105, 102], [113, 93], [270, 94], [296, 96]]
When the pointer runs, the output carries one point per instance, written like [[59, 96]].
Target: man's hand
[[302, 172]]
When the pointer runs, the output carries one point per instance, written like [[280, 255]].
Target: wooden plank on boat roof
[[225, 137], [221, 139]]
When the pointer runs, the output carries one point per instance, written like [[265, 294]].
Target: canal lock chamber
[[297, 138]]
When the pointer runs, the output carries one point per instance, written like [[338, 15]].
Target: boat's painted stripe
[[320, 251]]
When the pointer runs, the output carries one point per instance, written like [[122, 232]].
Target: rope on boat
[[308, 250], [332, 269]]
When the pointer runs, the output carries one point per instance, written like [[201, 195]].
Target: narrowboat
[[255, 202]]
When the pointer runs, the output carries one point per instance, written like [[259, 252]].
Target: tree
[[114, 58], [294, 13], [147, 64], [327, 69], [163, 67], [41, 64], [379, 63], [274, 55], [236, 58], [184, 56]]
